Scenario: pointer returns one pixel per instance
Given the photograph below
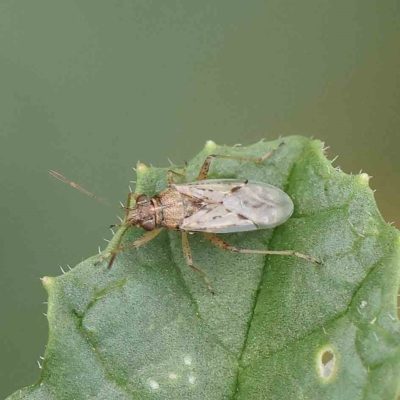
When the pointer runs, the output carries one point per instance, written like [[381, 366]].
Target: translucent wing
[[230, 205]]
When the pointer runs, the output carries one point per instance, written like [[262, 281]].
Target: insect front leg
[[189, 260], [214, 239], [128, 207], [170, 176], [206, 165], [137, 243]]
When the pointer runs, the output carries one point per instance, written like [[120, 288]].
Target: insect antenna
[[78, 187]]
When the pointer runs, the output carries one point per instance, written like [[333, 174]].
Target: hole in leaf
[[327, 356], [327, 361]]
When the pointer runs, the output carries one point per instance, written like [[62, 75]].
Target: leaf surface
[[277, 328]]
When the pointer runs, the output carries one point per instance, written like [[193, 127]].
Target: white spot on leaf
[[153, 384], [363, 304]]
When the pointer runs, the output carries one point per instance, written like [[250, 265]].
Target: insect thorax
[[171, 207]]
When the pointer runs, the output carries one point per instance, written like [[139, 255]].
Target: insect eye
[[149, 225], [142, 199]]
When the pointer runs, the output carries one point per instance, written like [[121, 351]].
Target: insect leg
[[226, 246], [206, 165], [170, 176], [189, 261], [137, 243], [128, 203], [126, 226]]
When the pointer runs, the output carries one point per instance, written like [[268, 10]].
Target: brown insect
[[209, 206]]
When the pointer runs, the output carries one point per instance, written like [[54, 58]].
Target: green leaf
[[149, 329]]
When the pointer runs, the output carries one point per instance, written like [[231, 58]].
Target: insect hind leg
[[206, 165], [189, 261], [214, 239]]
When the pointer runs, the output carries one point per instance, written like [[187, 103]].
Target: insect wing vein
[[213, 215], [231, 205], [218, 219]]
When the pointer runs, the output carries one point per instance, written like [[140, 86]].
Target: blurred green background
[[90, 87]]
